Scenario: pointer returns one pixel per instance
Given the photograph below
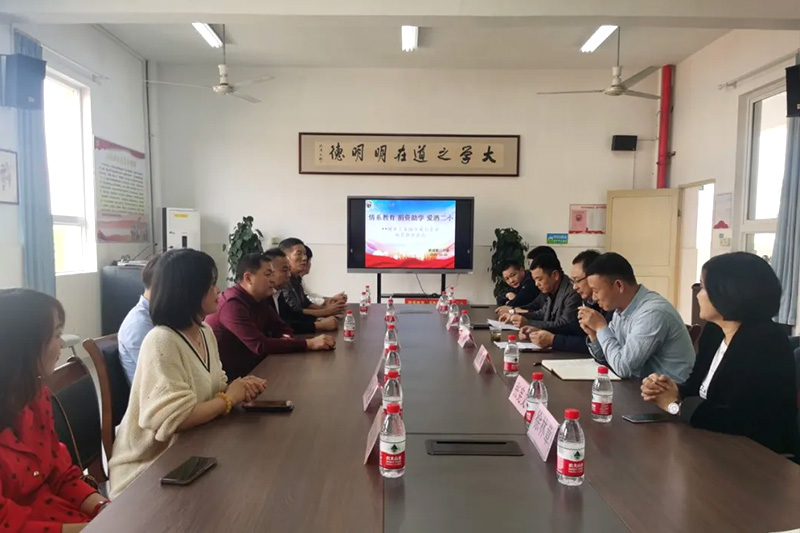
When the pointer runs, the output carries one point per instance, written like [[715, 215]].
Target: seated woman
[[40, 488], [179, 381], [743, 381]]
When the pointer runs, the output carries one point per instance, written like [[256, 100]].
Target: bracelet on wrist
[[100, 506], [227, 399]]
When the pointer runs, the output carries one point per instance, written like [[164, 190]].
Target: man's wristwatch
[[674, 408], [511, 311]]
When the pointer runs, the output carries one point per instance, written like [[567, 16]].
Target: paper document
[[523, 346], [575, 369], [502, 325]]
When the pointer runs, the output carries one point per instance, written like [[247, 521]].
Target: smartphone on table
[[647, 418], [189, 471], [269, 406]]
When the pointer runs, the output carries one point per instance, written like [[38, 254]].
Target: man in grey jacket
[[562, 302]]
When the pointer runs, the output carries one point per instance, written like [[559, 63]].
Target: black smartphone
[[646, 418], [480, 325], [189, 471], [269, 406]]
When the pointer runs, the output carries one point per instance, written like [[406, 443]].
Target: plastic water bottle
[[571, 449], [363, 305], [349, 327], [369, 295], [390, 339], [393, 443], [443, 304], [452, 314], [602, 396], [511, 357], [391, 361], [537, 395], [392, 390], [451, 293], [463, 322], [390, 311]]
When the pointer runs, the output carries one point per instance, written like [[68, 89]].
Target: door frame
[[681, 199]]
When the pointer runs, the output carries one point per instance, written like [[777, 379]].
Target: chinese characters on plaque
[[347, 153]]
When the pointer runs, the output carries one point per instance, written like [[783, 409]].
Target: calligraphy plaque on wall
[[409, 154]]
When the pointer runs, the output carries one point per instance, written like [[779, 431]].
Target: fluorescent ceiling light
[[208, 34], [409, 37], [599, 37]]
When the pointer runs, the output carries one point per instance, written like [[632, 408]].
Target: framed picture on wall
[[403, 154], [9, 181]]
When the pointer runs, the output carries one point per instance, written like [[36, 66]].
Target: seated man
[[316, 298], [137, 325], [532, 304], [293, 293], [561, 301], [569, 337], [247, 328], [299, 321], [521, 283], [646, 335]]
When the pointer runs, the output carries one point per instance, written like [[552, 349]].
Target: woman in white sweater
[[179, 381]]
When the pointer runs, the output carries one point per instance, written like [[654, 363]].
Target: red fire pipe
[[664, 126]]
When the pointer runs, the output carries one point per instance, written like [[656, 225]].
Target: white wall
[[229, 158], [117, 111]]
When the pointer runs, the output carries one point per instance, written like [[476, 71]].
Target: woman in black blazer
[[743, 381]]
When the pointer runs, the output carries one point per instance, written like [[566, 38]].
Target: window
[[65, 117], [764, 164]]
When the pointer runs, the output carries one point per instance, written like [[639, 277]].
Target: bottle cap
[[537, 376], [393, 408], [602, 370], [463, 311], [349, 312], [391, 300], [443, 293], [368, 286], [391, 374], [512, 338], [392, 347], [363, 293], [390, 326], [572, 414]]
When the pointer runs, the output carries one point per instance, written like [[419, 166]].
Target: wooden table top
[[304, 471]]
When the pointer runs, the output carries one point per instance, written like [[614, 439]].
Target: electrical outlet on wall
[[275, 241]]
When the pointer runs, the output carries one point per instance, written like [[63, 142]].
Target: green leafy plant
[[508, 246], [244, 240]]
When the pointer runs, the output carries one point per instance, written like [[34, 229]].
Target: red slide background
[[379, 261]]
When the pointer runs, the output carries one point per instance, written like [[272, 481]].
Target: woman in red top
[[40, 489]]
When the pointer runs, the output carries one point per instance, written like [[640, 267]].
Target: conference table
[[305, 472]]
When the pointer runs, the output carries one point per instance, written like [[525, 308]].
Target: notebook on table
[[575, 369], [523, 346]]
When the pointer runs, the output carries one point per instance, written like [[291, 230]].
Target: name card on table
[[451, 321], [542, 431], [481, 359], [465, 338], [519, 394], [372, 436], [372, 388]]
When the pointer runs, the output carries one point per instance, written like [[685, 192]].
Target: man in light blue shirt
[[137, 325], [646, 334]]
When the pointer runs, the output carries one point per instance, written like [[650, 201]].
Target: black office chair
[[114, 387], [77, 416]]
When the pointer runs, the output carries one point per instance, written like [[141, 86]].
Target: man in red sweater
[[247, 327]]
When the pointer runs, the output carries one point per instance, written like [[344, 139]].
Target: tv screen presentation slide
[[413, 234]]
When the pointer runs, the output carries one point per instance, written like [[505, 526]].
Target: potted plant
[[244, 240], [507, 246]]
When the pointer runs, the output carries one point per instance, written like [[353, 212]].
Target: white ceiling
[[446, 42]]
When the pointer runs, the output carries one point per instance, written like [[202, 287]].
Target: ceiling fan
[[224, 86], [619, 87]]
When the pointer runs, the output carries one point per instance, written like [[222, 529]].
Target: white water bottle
[[390, 338], [442, 305], [602, 396], [390, 311], [393, 443], [463, 322], [391, 361], [537, 396], [392, 390], [349, 327], [369, 295], [363, 305], [571, 449], [451, 293], [511, 357], [452, 314]]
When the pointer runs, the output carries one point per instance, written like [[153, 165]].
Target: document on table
[[523, 346], [575, 369], [502, 325]]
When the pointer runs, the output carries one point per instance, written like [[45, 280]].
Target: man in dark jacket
[[523, 288]]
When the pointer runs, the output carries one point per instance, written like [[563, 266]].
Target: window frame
[[744, 226], [88, 260]]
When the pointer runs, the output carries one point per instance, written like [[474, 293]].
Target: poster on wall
[[121, 196], [587, 218], [723, 212], [9, 181]]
